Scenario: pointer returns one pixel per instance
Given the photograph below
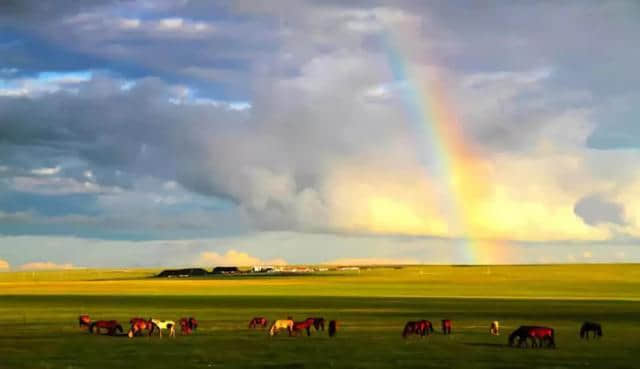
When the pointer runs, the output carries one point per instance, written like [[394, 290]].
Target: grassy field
[[38, 313]]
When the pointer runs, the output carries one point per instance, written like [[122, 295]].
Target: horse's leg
[[308, 331]]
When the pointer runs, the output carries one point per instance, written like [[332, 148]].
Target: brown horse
[[138, 325], [446, 326], [333, 328], [304, 325], [318, 323], [420, 328], [111, 326], [84, 321], [537, 335], [188, 325], [258, 321]]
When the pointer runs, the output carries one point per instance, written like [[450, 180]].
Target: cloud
[[46, 171], [4, 265], [45, 265], [234, 258], [373, 261], [594, 210]]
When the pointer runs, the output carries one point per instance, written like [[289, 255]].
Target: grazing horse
[[138, 325], [446, 326], [333, 328], [111, 326], [258, 321], [587, 327], [318, 323], [495, 328], [303, 325], [188, 325], [420, 328], [169, 325], [84, 321], [537, 335], [281, 324]]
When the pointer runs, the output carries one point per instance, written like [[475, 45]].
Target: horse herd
[[536, 336], [138, 325]]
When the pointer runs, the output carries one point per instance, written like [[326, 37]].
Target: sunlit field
[[39, 312]]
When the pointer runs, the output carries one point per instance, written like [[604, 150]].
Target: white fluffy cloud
[[234, 258], [45, 265]]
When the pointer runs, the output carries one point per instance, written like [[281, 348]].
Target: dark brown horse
[[138, 325], [333, 328], [304, 325], [446, 326], [318, 323], [587, 327], [111, 326], [537, 335], [188, 325], [258, 321], [84, 321], [420, 328]]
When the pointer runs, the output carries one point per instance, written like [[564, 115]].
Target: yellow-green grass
[[592, 281], [38, 311]]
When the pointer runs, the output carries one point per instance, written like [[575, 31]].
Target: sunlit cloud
[[234, 258]]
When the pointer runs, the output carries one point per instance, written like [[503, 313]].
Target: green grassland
[[38, 311]]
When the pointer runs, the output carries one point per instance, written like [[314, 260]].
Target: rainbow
[[449, 158]]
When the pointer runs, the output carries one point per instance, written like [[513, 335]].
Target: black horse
[[333, 328], [587, 327]]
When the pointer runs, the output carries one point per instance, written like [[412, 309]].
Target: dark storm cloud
[[307, 70]]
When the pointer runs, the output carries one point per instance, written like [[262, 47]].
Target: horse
[[318, 323], [258, 321], [587, 327], [303, 325], [494, 329], [84, 321], [188, 325], [537, 335], [169, 325], [111, 326], [138, 325], [333, 328], [421, 328], [446, 326], [281, 324]]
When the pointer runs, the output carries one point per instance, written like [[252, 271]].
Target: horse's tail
[[119, 328], [552, 338], [92, 326]]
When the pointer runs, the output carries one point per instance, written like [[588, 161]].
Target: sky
[[178, 133]]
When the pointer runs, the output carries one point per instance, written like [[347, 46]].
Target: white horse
[[495, 328], [281, 324], [169, 325]]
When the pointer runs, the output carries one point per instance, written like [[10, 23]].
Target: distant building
[[225, 270], [262, 269], [349, 268], [183, 273]]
